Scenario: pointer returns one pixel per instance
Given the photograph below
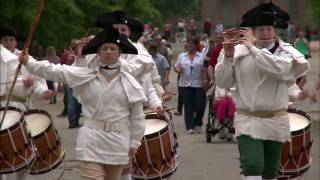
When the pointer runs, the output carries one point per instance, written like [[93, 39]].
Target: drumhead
[[297, 122], [12, 117], [37, 123], [154, 125]]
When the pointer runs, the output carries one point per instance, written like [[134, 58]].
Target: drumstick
[[167, 95], [165, 109]]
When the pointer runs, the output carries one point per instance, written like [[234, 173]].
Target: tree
[[63, 20], [314, 6]]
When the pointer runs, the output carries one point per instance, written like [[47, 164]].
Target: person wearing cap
[[141, 66], [113, 100], [137, 64], [261, 67], [28, 88]]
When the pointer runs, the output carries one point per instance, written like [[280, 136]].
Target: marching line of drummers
[[30, 141]]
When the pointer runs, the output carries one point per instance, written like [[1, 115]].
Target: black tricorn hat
[[6, 32], [265, 14], [120, 17], [110, 18], [109, 35], [136, 28]]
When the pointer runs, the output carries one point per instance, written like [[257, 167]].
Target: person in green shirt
[[302, 45]]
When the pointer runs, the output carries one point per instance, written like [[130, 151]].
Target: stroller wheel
[[208, 137]]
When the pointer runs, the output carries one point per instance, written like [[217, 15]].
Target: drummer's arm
[[297, 94], [40, 89], [137, 124], [47, 70], [153, 99], [293, 92]]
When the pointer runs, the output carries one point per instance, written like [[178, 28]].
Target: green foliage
[[63, 20], [314, 6]]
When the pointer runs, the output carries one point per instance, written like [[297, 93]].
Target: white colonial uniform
[[135, 66], [153, 99], [114, 118], [22, 96], [261, 80]]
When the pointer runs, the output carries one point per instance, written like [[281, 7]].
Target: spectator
[[189, 66], [307, 33], [52, 57], [207, 27], [192, 29], [161, 62], [167, 31], [219, 27], [72, 106], [302, 44], [214, 57], [291, 35]]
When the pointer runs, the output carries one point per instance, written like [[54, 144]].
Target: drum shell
[[295, 156], [151, 145], [21, 141], [48, 149]]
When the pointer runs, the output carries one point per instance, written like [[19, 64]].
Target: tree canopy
[[314, 6], [62, 20]]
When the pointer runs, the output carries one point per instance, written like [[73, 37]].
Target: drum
[[15, 147], [166, 116], [46, 141], [156, 157], [296, 157]]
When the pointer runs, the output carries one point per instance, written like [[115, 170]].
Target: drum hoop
[[16, 124], [293, 173], [156, 134], [32, 158], [304, 114], [156, 116], [156, 177], [62, 155], [32, 111], [300, 112], [300, 131]]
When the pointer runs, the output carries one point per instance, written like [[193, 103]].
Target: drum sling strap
[[14, 98]]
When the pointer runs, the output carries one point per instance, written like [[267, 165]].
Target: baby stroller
[[220, 116]]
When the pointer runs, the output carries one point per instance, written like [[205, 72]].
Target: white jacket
[[261, 80], [117, 103], [9, 63]]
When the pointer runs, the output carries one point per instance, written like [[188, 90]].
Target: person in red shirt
[[167, 31], [207, 27], [214, 57]]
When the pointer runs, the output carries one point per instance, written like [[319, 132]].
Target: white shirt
[[218, 28], [261, 80], [192, 70]]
